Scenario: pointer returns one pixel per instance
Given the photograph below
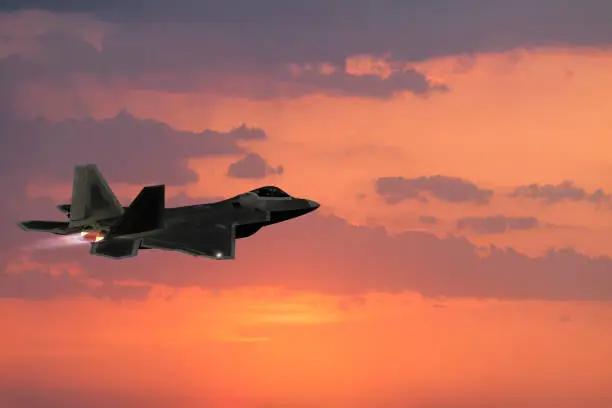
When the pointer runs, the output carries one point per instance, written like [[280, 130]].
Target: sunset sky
[[462, 155]]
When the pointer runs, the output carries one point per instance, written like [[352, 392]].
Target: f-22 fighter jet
[[208, 230]]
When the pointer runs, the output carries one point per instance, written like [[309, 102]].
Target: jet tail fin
[[144, 215], [92, 198]]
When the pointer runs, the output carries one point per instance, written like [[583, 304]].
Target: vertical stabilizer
[[144, 215], [92, 198]]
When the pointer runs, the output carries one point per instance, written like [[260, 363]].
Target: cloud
[[322, 30], [37, 396], [444, 188], [127, 149], [497, 224], [356, 260], [340, 83], [175, 62], [564, 191], [156, 46], [34, 396], [252, 166], [428, 219], [37, 281]]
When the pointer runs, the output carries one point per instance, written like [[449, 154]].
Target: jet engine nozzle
[[93, 235]]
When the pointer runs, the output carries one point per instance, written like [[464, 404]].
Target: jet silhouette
[[208, 230]]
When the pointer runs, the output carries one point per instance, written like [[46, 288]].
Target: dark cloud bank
[[178, 61], [410, 29], [127, 149], [190, 46]]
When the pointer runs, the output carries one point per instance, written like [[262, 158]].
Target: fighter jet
[[209, 230]]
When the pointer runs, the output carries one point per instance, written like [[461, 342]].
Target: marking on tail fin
[[92, 198]]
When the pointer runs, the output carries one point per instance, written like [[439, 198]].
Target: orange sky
[[268, 345], [539, 115]]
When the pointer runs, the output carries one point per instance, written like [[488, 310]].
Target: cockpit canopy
[[270, 191]]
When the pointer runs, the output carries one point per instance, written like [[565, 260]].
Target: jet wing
[[214, 241]]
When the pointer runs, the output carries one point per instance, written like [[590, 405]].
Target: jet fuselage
[[202, 230]]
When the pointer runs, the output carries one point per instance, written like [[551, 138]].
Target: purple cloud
[[443, 188], [564, 191], [252, 166], [497, 224]]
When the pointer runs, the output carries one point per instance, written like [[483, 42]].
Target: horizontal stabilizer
[[145, 214], [54, 227], [116, 248]]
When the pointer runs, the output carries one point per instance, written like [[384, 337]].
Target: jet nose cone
[[313, 204]]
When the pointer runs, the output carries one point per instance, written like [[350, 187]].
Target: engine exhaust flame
[[63, 241]]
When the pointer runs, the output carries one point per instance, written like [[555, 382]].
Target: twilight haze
[[462, 154]]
